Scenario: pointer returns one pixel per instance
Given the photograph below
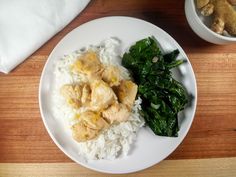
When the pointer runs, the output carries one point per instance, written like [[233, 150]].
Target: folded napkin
[[25, 25]]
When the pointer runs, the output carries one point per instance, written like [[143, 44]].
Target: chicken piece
[[93, 120], [116, 112], [224, 17], [102, 95], [202, 3], [126, 92], [89, 126], [88, 64], [72, 93], [86, 94], [224, 14], [232, 2], [111, 75], [81, 132], [207, 10]]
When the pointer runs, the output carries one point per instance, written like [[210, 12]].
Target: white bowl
[[201, 29]]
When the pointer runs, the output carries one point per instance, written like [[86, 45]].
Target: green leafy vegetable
[[163, 97]]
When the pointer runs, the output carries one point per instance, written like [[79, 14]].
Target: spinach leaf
[[162, 96]]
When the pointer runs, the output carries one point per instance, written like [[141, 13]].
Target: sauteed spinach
[[162, 96]]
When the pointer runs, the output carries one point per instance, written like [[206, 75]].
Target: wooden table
[[210, 146]]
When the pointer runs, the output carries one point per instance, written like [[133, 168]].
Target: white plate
[[148, 149]]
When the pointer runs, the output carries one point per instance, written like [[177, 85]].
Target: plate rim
[[40, 95]]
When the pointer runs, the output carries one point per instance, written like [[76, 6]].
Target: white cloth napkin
[[25, 25]]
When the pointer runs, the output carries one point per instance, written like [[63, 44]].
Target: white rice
[[117, 139]]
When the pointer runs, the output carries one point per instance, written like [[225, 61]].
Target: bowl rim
[[198, 20]]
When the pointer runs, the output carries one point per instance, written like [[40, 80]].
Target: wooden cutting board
[[210, 146]]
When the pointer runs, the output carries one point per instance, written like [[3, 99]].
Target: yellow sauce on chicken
[[106, 96]]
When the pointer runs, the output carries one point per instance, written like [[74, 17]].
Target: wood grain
[[223, 167], [213, 133], [23, 137]]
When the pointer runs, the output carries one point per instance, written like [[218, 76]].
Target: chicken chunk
[[88, 64], [126, 92], [102, 95], [72, 93], [111, 75], [117, 112], [81, 132], [86, 94], [202, 3], [93, 120], [89, 126]]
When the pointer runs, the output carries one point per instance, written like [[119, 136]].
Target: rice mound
[[118, 138]]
